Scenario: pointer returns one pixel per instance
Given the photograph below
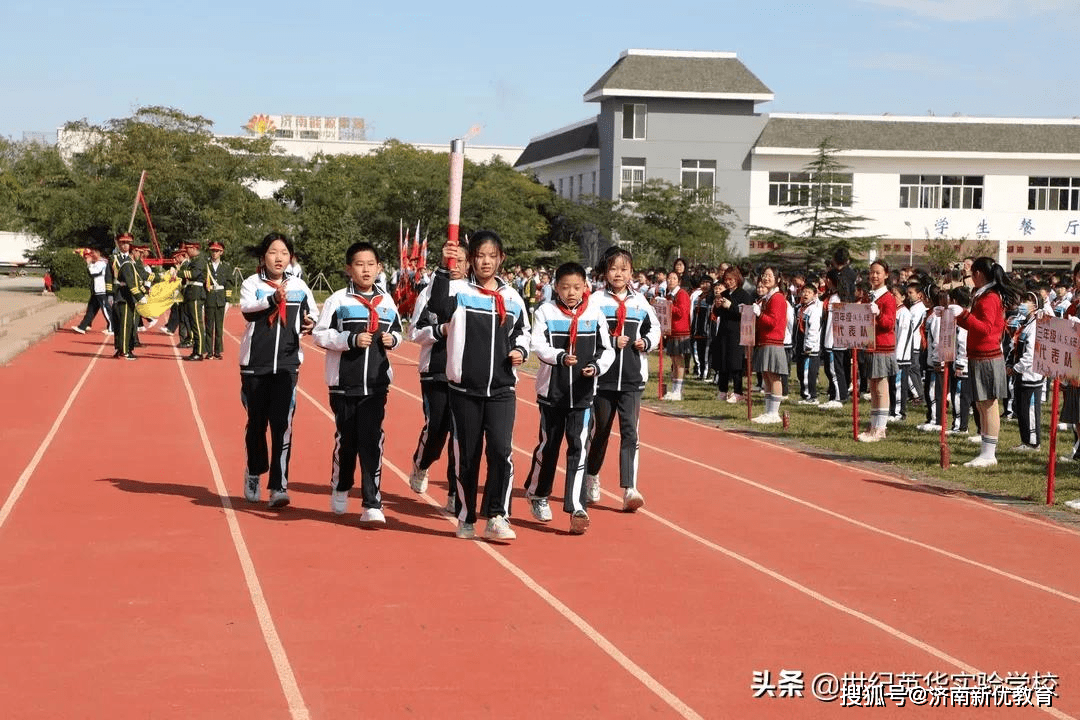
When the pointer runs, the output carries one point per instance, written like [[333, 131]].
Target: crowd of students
[[474, 330]]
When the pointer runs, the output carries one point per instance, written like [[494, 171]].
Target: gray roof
[[658, 74], [581, 137], [920, 135]]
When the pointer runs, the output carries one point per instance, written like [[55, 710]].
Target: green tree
[[818, 221], [198, 185], [943, 253]]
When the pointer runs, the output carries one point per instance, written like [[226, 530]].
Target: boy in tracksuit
[[570, 338], [807, 343], [905, 335], [358, 324], [424, 330], [1028, 384]]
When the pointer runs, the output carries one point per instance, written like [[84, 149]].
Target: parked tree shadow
[[205, 497]]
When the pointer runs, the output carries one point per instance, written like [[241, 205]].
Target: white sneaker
[[928, 427], [373, 516], [339, 501], [976, 439], [808, 401], [896, 418], [767, 419], [1063, 426], [107, 332], [632, 500], [871, 436], [592, 488], [579, 522], [734, 398], [418, 479], [451, 505], [981, 462], [540, 508], [279, 498], [958, 432], [672, 395], [865, 396], [1074, 504], [252, 491], [78, 330], [498, 528], [1023, 448], [465, 531], [831, 405]]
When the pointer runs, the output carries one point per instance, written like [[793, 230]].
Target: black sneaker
[[194, 357], [184, 345]]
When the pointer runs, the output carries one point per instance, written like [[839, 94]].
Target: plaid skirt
[[771, 359], [883, 365], [988, 380]]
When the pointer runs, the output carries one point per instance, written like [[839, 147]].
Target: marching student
[[194, 272], [96, 267], [358, 324], [1028, 383], [487, 338], [219, 291], [985, 323], [570, 338], [424, 330], [634, 330], [882, 367], [837, 360], [278, 310], [678, 344], [807, 342], [771, 311]]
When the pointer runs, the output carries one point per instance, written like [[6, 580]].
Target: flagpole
[[135, 205]]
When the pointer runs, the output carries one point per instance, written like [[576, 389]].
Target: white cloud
[[975, 10]]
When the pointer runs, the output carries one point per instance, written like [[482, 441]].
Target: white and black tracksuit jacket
[[269, 348], [630, 368], [424, 331], [477, 344], [560, 385], [352, 370]]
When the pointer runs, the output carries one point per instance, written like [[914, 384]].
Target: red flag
[[422, 262]]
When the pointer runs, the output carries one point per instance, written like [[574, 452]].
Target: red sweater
[[985, 323], [771, 324], [680, 314], [885, 324]]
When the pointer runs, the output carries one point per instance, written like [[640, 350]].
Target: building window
[[570, 187], [799, 188], [633, 122], [959, 192], [593, 183], [1053, 193], [699, 180], [633, 176]]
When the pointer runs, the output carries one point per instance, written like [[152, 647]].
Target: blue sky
[[426, 71]]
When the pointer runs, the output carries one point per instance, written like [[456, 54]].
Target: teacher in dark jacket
[[728, 357]]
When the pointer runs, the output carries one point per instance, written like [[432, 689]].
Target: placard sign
[[852, 326], [1057, 343], [663, 314], [946, 350], [747, 326]]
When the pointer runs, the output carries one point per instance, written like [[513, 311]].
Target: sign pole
[[749, 382], [943, 409], [1051, 467], [855, 393], [660, 374]]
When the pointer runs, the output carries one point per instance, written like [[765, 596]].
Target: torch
[[457, 169]]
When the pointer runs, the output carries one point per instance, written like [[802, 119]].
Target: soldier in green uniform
[[128, 288], [219, 293], [195, 298]]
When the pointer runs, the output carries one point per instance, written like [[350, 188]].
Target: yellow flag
[[159, 298]]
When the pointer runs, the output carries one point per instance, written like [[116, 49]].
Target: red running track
[[135, 582]]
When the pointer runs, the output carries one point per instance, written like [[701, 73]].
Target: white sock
[[879, 419], [678, 386], [772, 405], [989, 447]]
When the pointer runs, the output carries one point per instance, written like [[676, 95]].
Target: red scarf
[[280, 311], [373, 314], [500, 304], [574, 315], [620, 315]]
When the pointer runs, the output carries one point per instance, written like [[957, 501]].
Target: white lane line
[[560, 607], [795, 585], [297, 708], [24, 478]]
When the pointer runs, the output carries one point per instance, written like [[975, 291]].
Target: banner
[[1057, 342], [852, 326], [747, 326]]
